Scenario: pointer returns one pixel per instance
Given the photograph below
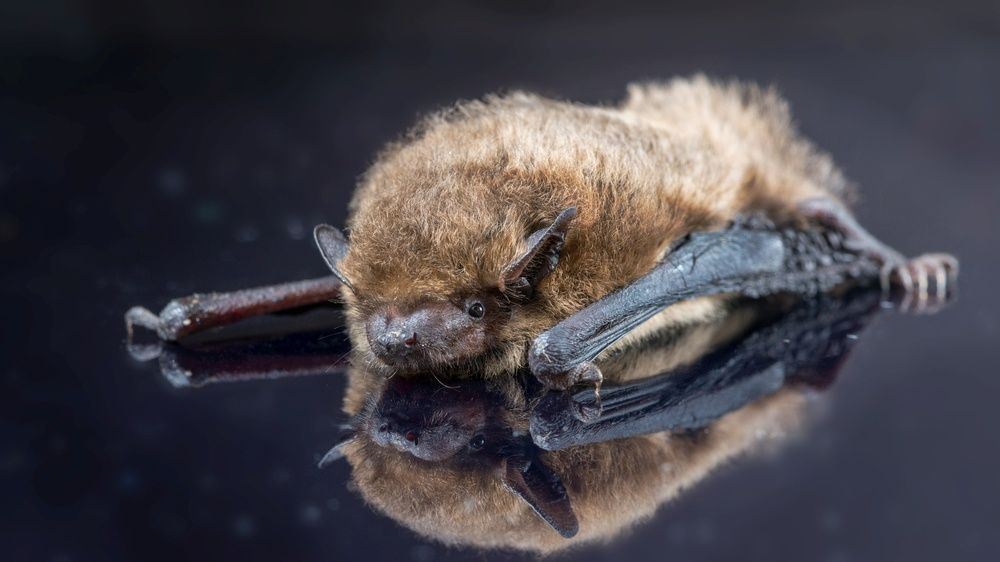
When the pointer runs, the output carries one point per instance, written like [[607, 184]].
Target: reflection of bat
[[455, 463], [467, 429], [276, 347], [520, 221], [805, 346]]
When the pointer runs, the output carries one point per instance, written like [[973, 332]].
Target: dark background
[[151, 149]]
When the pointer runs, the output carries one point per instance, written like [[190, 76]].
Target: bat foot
[[926, 283]]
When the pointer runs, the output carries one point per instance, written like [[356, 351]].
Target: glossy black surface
[[152, 150]]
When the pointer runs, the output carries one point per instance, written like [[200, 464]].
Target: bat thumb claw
[[588, 412]]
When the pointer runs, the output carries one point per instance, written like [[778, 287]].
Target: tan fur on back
[[443, 211]]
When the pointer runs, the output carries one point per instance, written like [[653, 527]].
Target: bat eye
[[478, 442], [476, 309]]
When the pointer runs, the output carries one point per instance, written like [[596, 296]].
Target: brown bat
[[519, 229], [490, 464]]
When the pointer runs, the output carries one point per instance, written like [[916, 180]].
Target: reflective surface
[[135, 170], [502, 463]]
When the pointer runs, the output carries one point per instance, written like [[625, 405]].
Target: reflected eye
[[476, 309], [478, 442]]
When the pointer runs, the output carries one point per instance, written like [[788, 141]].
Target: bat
[[523, 230]]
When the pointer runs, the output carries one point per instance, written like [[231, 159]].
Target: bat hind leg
[[928, 281]]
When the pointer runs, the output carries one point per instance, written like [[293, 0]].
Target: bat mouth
[[423, 357]]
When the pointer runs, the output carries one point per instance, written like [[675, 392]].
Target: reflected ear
[[336, 453], [536, 484], [519, 279], [333, 245]]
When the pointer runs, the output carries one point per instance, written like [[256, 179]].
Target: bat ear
[[336, 453], [333, 245], [520, 278], [536, 484]]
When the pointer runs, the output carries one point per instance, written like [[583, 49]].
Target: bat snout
[[393, 339], [397, 343], [423, 335], [412, 437], [399, 432]]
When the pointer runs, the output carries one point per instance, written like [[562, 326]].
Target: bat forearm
[[749, 260], [188, 315]]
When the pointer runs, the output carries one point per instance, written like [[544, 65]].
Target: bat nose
[[394, 336], [397, 343], [398, 430]]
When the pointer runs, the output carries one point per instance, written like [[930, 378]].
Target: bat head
[[430, 332], [429, 421], [411, 333]]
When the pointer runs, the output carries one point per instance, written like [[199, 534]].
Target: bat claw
[[590, 412], [144, 352], [914, 278], [587, 412], [927, 282], [586, 372], [143, 317]]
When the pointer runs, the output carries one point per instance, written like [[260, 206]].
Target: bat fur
[[444, 210]]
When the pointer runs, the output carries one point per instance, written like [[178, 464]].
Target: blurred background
[[152, 149]]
